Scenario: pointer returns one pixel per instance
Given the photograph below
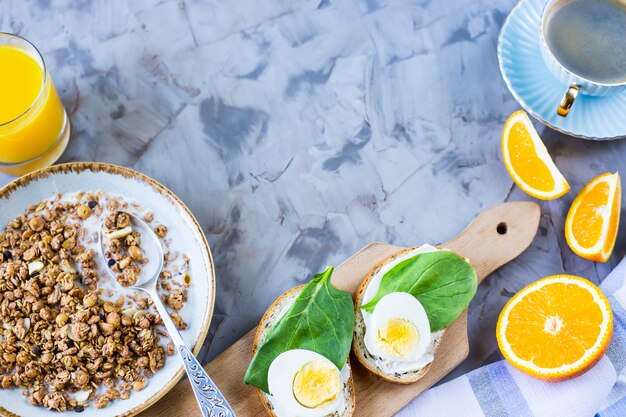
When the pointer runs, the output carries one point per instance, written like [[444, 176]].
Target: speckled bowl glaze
[[538, 91], [186, 236]]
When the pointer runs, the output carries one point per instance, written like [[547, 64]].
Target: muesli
[[72, 337]]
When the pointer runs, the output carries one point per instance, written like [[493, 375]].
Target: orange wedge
[[555, 328], [527, 159], [593, 219]]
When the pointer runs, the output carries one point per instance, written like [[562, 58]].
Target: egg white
[[387, 364], [281, 374], [398, 305]]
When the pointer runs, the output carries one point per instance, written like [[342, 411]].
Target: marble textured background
[[299, 131]]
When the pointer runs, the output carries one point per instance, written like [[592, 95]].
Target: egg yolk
[[316, 384], [398, 337]]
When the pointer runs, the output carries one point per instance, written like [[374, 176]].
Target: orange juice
[[33, 123]]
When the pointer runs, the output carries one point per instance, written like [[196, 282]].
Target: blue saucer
[[538, 91]]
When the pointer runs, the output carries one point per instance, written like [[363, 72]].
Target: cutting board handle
[[509, 228]]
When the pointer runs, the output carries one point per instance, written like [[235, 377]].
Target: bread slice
[[269, 319], [358, 343]]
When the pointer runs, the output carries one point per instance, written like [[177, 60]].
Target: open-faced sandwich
[[404, 305], [300, 364]]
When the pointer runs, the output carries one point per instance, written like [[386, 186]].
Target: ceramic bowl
[[185, 236]]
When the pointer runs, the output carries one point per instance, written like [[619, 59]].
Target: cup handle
[[568, 100]]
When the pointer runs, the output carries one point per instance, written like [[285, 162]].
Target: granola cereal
[[67, 341], [124, 253]]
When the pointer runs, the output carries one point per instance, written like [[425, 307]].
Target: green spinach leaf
[[321, 320], [442, 281]]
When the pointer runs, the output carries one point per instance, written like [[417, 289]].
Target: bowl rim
[[96, 167]]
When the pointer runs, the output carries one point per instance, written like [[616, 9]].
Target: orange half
[[555, 328], [593, 219], [527, 160]]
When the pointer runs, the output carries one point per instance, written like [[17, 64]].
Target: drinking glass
[[34, 127]]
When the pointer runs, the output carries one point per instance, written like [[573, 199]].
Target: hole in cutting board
[[502, 228]]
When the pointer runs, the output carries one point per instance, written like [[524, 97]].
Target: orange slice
[[555, 328], [593, 219], [527, 159]]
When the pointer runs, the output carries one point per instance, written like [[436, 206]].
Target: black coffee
[[588, 37]]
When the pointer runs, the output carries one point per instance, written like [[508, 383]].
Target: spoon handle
[[211, 401]]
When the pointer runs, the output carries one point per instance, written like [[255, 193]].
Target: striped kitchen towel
[[499, 390]]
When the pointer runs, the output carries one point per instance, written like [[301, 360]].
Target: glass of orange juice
[[34, 127]]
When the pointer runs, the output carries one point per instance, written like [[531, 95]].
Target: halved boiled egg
[[398, 329], [305, 383]]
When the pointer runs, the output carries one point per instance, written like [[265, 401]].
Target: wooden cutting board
[[494, 238]]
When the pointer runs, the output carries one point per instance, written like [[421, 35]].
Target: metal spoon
[[211, 401]]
